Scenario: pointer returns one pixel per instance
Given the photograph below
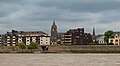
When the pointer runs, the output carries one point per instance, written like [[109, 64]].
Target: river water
[[59, 59]]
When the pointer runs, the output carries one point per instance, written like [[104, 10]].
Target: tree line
[[31, 46]]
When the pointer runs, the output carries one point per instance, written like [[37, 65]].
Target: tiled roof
[[114, 33], [100, 35], [27, 32], [32, 32]]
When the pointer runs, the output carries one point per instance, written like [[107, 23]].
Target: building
[[100, 39], [87, 38], [34, 36], [60, 38], [54, 34], [115, 38], [2, 41], [77, 37], [10, 38], [14, 37]]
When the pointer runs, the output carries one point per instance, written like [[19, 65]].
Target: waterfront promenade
[[59, 59]]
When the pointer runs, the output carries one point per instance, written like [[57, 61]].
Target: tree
[[21, 45], [33, 46], [107, 34]]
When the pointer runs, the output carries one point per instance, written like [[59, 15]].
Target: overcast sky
[[30, 15]]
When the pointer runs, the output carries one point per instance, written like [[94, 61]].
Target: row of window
[[115, 40]]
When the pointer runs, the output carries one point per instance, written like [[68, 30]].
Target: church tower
[[54, 32], [93, 31]]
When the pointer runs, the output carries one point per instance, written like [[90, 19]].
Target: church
[[54, 34]]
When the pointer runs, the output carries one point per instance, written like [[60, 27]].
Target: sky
[[38, 15]]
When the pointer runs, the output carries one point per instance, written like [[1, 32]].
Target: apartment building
[[77, 37], [14, 37], [2, 39]]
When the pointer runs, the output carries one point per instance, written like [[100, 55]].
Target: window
[[77, 36], [116, 40], [20, 40], [111, 40]]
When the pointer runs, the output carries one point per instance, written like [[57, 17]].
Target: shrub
[[33, 46]]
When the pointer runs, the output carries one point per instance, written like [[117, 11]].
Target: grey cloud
[[109, 16], [11, 1], [81, 5], [38, 14]]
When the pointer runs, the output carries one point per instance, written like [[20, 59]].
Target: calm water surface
[[59, 59]]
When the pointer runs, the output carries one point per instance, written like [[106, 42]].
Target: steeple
[[93, 35], [54, 22], [93, 31], [54, 32], [54, 26]]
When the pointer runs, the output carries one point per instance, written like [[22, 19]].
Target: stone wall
[[62, 48], [8, 48], [85, 48]]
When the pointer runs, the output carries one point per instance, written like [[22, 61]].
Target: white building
[[34, 36], [14, 37], [100, 39]]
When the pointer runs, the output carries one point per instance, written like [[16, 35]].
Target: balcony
[[67, 35], [67, 41], [67, 38]]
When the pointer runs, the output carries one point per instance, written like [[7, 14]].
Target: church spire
[[53, 21], [94, 36], [93, 31], [54, 32]]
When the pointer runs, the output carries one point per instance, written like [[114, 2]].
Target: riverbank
[[64, 49], [60, 59]]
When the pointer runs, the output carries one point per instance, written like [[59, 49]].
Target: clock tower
[[54, 32]]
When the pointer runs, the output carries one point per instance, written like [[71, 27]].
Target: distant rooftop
[[114, 33], [27, 32], [33, 32]]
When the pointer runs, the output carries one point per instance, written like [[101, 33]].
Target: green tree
[[33, 46], [107, 34], [21, 45]]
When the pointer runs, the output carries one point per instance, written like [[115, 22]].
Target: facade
[[60, 38], [54, 34], [77, 37], [100, 39], [14, 37], [115, 38], [34, 36], [2, 41], [87, 38]]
